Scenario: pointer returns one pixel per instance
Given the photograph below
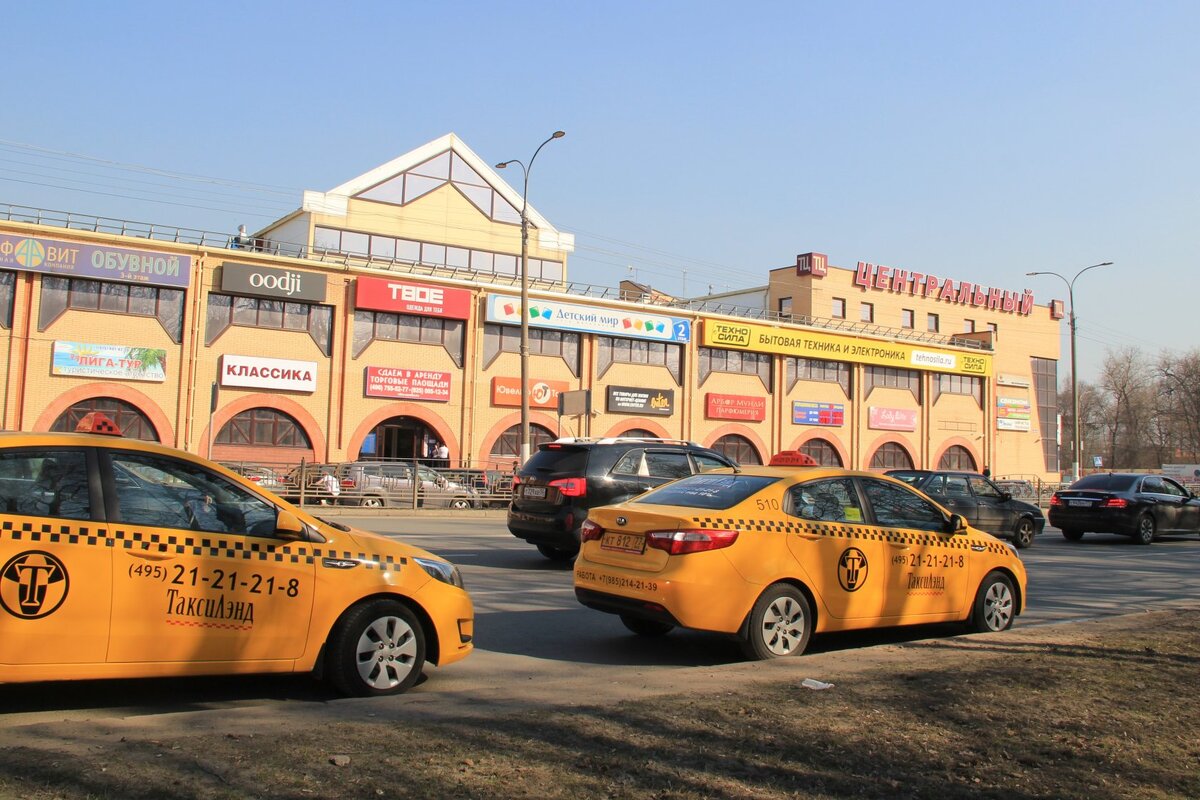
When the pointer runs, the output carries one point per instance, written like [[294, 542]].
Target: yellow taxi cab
[[774, 554], [127, 559]]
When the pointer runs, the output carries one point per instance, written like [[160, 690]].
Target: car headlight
[[1014, 550], [444, 571]]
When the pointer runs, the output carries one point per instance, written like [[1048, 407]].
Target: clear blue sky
[[969, 140]]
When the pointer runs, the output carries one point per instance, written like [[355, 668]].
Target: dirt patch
[[1092, 710]]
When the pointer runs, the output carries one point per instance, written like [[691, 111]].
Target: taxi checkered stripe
[[839, 530], [48, 533]]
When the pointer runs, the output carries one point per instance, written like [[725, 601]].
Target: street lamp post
[[1075, 426], [525, 170]]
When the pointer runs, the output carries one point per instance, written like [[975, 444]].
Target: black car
[[985, 505], [556, 487], [1136, 505]]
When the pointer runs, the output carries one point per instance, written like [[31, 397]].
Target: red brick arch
[[444, 432], [966, 444], [286, 405], [645, 424], [58, 406], [748, 434], [834, 441], [880, 441], [509, 420]]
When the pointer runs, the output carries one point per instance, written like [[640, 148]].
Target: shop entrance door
[[401, 438]]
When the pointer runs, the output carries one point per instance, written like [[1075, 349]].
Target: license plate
[[624, 542], [1084, 503], [538, 492]]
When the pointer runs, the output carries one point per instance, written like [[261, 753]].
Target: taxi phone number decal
[[930, 560], [617, 580], [217, 579]]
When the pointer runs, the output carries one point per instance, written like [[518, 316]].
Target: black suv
[[557, 486], [985, 505]]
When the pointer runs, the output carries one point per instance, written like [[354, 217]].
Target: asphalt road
[[535, 643]]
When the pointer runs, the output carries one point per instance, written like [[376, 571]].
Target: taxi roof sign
[[97, 422], [792, 458]]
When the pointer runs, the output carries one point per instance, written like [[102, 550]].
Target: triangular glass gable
[[447, 167]]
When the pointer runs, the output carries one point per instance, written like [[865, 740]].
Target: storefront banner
[[828, 414], [1013, 414], [115, 361], [735, 406], [407, 384], [632, 400], [283, 284], [891, 419], [269, 373], [74, 260], [840, 347], [590, 319], [542, 394], [406, 297]]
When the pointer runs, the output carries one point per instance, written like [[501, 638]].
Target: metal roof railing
[[347, 260]]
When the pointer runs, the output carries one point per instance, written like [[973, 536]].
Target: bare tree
[[1179, 393], [1128, 380]]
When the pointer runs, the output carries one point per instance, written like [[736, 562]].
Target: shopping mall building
[[384, 315]]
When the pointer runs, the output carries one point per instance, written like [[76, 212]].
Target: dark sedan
[[1140, 506], [985, 505]]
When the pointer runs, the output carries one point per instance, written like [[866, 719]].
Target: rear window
[[1106, 483], [707, 491], [558, 461], [911, 478]]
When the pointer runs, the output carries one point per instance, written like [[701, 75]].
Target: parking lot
[[535, 643]]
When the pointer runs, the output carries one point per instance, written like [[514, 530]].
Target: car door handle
[[899, 546]]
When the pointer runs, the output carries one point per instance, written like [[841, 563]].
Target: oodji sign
[[269, 373], [285, 284]]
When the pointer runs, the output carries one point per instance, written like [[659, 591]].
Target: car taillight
[[1055, 500], [1115, 502], [347, 483], [590, 531], [571, 487], [678, 543]]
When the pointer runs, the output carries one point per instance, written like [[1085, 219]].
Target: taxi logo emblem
[[622, 521], [852, 569], [33, 585]]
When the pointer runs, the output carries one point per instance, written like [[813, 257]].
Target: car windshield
[[707, 490], [1106, 482]]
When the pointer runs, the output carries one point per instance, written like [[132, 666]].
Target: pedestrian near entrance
[[332, 487], [987, 472], [443, 455]]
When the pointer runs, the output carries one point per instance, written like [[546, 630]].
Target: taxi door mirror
[[288, 526], [958, 523]]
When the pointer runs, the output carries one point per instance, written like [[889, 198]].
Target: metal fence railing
[[385, 483]]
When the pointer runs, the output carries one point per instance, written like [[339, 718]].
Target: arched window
[[825, 453], [891, 456], [263, 427], [639, 433], [737, 448], [957, 457], [508, 445], [129, 418]]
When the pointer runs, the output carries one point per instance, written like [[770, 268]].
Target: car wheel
[[778, 625], [1145, 530], [372, 502], [646, 627], [377, 648], [556, 553], [460, 502], [1023, 534], [1072, 535], [995, 605]]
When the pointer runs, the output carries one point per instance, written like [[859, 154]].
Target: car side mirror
[[288, 526], [958, 523], [1005, 497]]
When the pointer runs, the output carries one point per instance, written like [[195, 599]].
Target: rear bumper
[[559, 529], [625, 606], [1122, 522]]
